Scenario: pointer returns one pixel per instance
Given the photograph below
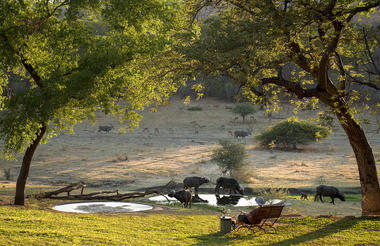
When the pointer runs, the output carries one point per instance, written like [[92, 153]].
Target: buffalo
[[228, 183], [330, 191], [184, 196], [195, 182]]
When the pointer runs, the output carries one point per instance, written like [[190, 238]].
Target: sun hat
[[260, 201]]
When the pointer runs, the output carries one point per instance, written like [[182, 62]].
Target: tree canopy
[[243, 109], [311, 51], [78, 57]]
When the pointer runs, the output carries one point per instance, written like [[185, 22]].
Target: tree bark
[[24, 171], [365, 161]]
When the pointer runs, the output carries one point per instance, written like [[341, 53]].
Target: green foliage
[[275, 51], [326, 119], [274, 193], [230, 156], [79, 57], [244, 109], [289, 133], [195, 108], [20, 226]]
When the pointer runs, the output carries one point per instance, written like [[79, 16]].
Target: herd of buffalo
[[186, 197]]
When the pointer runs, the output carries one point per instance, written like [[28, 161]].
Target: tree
[[243, 109], [79, 57], [291, 132], [230, 156], [304, 49]]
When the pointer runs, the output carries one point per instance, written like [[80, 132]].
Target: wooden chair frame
[[266, 217]]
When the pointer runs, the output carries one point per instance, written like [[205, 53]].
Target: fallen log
[[116, 196], [68, 189]]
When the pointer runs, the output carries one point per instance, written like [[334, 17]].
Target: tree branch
[[24, 62], [342, 71], [297, 89], [300, 59], [356, 10], [56, 8], [242, 7], [323, 80], [329, 8], [369, 84], [369, 52]]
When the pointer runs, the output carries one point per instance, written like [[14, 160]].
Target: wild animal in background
[[304, 196], [156, 131], [184, 196], [234, 119], [228, 183], [330, 191], [241, 134], [195, 182], [146, 130], [105, 128], [253, 119], [269, 115]]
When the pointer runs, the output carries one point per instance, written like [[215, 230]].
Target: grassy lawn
[[29, 226]]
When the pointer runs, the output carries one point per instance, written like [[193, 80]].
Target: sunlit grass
[[22, 226]]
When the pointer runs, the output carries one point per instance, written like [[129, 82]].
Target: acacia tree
[[79, 57], [303, 48], [243, 109]]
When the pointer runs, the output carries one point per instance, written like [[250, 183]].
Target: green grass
[[349, 197], [28, 226]]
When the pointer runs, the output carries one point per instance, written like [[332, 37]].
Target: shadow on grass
[[332, 228], [223, 239], [220, 239]]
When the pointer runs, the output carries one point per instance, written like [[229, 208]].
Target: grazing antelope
[[146, 130], [269, 115], [235, 119], [253, 119]]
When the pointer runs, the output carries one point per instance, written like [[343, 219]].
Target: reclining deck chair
[[263, 217]]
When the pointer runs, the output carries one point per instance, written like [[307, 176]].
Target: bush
[[195, 108], [289, 133], [244, 109], [230, 156]]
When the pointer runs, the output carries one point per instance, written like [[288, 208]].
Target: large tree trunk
[[366, 163], [24, 171]]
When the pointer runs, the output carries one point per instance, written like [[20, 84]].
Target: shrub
[[230, 156], [244, 109], [195, 108], [289, 133]]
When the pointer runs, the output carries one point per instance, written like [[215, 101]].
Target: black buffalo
[[330, 191], [228, 183], [195, 182], [184, 196], [105, 128]]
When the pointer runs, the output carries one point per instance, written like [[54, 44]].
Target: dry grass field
[[175, 142]]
